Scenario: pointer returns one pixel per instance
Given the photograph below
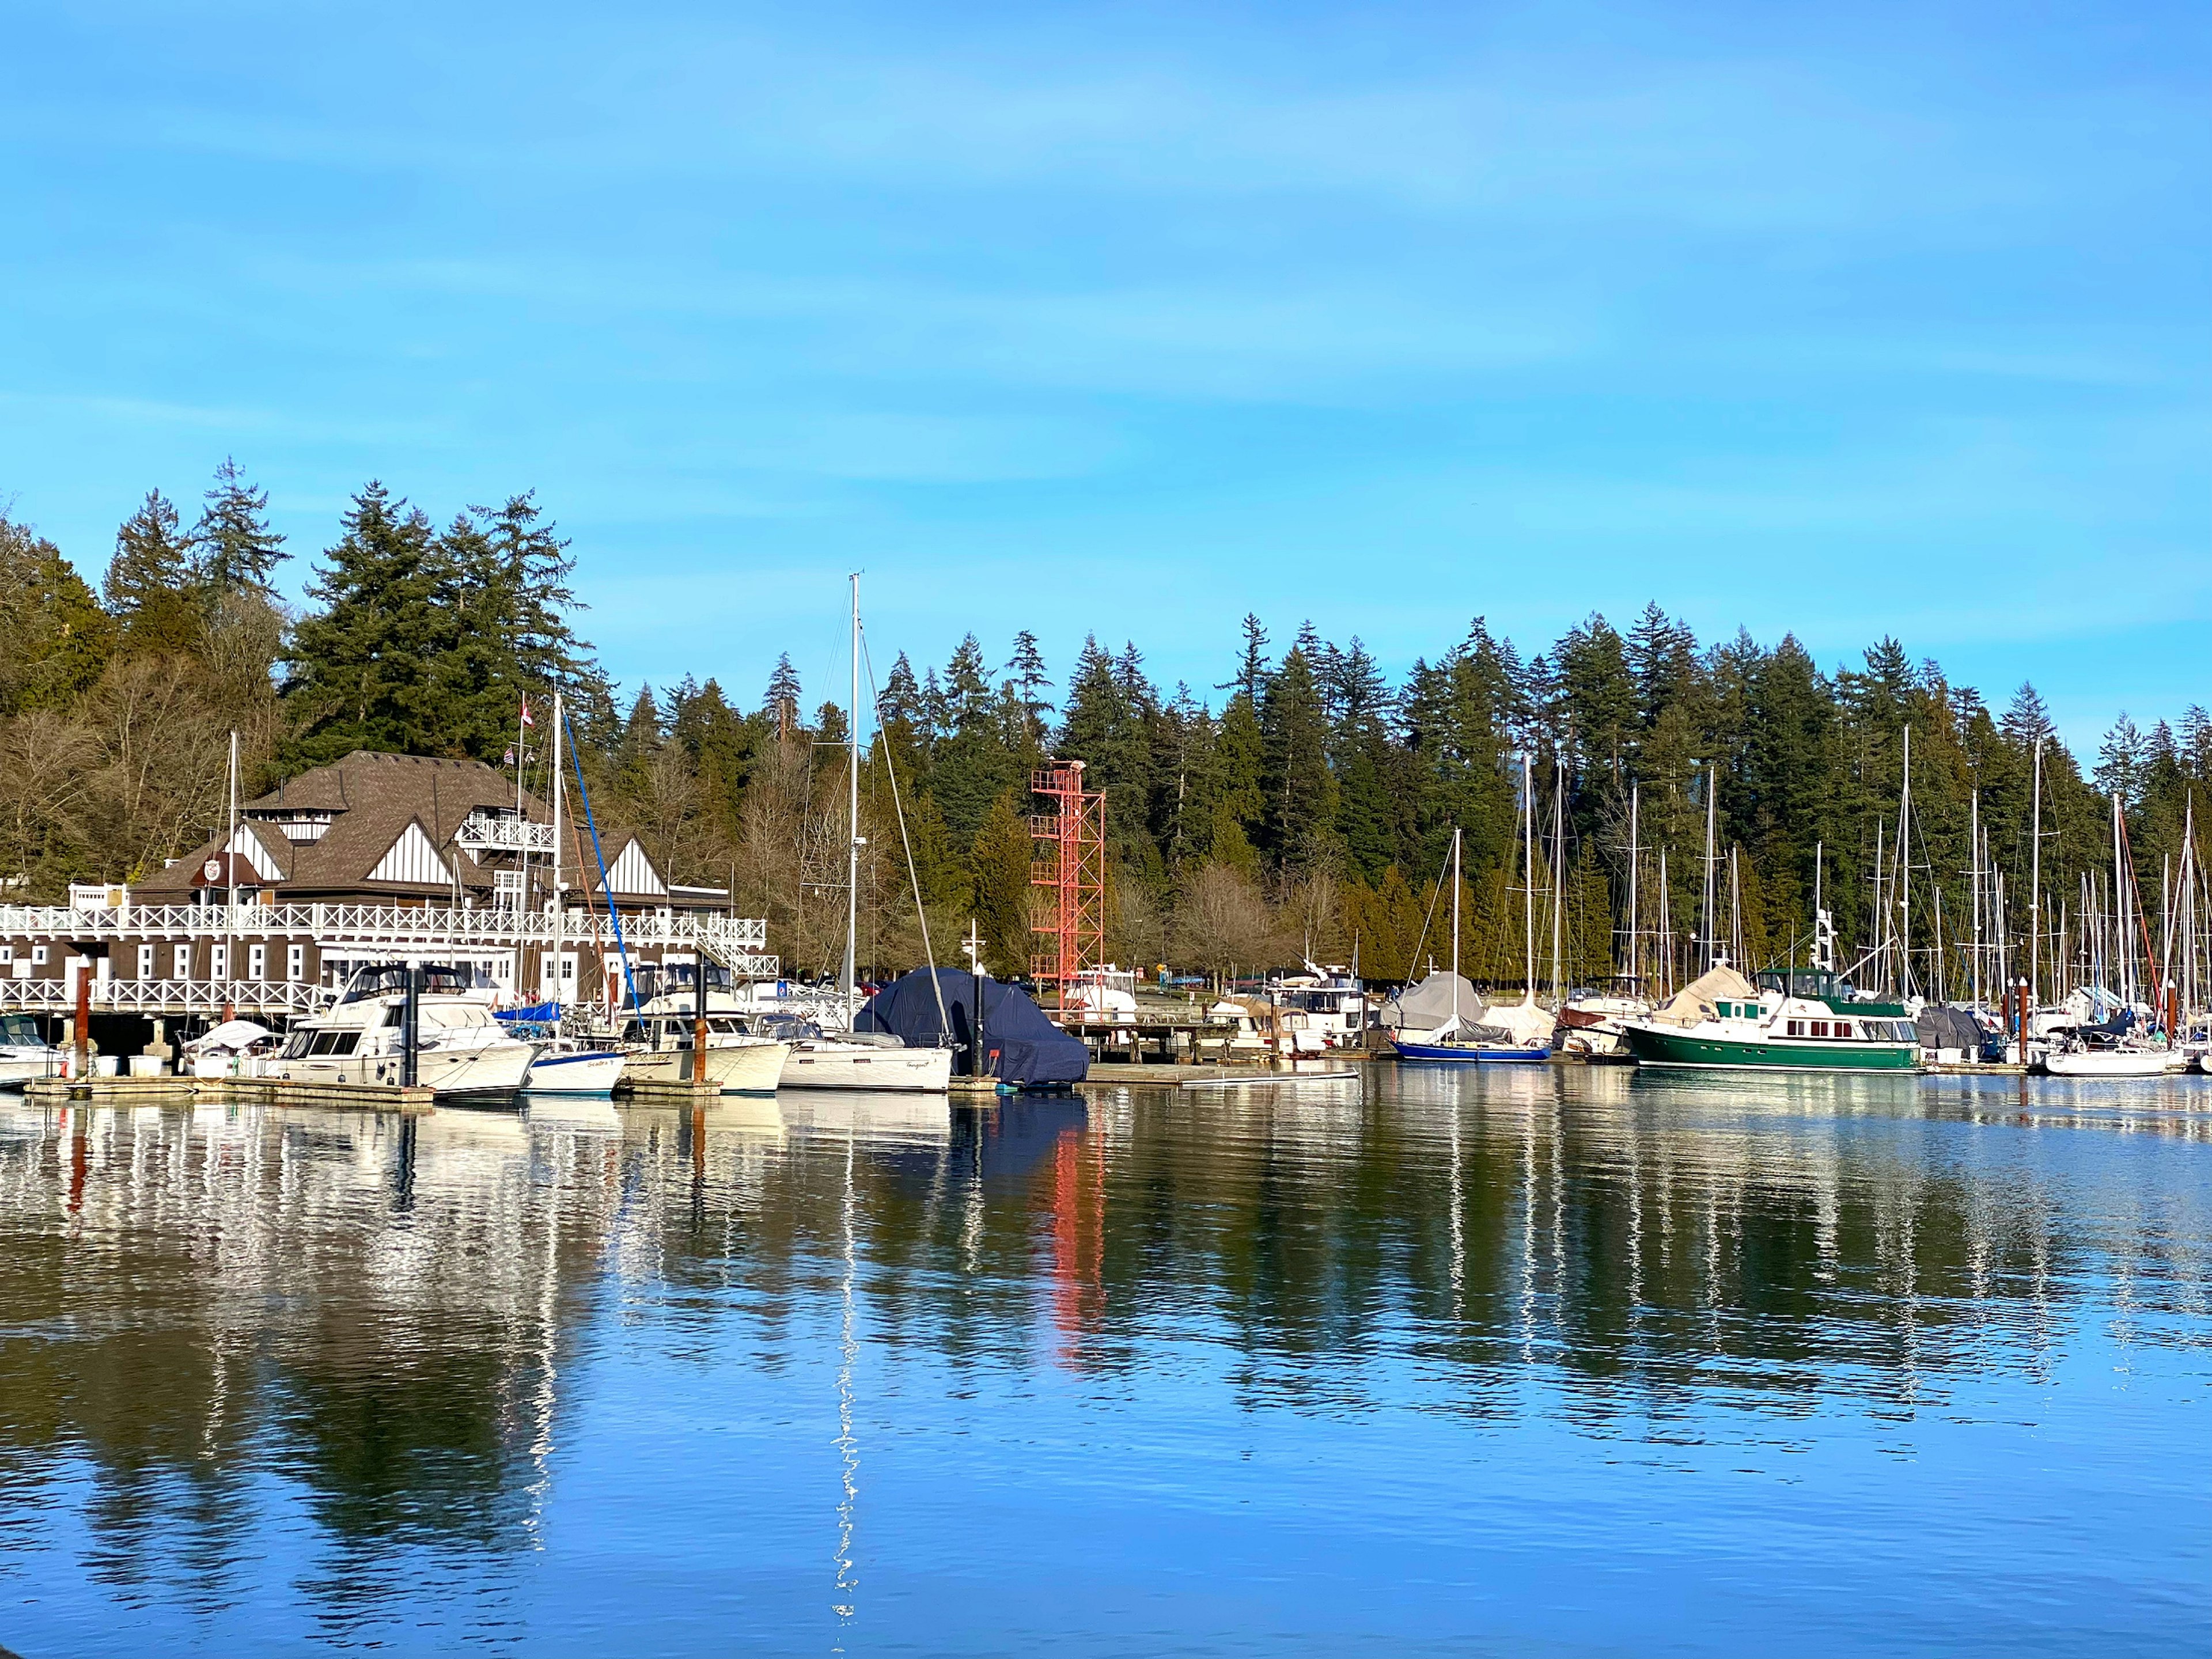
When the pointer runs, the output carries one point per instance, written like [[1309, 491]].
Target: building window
[[145, 962], [38, 956], [219, 961], [295, 961], [180, 962], [257, 962], [7, 953]]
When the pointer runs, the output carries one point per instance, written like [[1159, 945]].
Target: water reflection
[[367, 1333]]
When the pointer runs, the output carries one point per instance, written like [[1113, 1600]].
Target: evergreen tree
[[2122, 761], [1026, 668], [152, 588], [237, 552], [780, 701], [364, 669], [54, 638], [1000, 868], [1301, 794]]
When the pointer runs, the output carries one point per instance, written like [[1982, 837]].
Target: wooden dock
[[126, 1091]]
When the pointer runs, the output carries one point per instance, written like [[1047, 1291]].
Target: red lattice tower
[[1069, 863]]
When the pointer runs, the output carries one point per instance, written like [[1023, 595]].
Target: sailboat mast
[[1905, 871], [1455, 942], [1635, 858], [2035, 882], [853, 837], [1975, 831], [1558, 869], [1528, 870], [1707, 920], [560, 902]]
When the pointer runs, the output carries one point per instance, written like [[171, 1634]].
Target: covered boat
[[1020, 1045]]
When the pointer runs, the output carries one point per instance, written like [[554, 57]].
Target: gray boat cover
[[1022, 1045], [1430, 1004], [1940, 1026]]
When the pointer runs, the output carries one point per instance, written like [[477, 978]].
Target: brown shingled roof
[[371, 798]]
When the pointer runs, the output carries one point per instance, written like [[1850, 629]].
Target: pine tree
[[152, 587], [1000, 870], [237, 552], [54, 638], [1301, 794], [1026, 668], [2122, 762], [363, 669]]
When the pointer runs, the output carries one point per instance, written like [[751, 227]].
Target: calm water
[[1583, 1363]]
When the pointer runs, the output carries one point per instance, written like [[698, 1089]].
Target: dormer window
[[297, 824]]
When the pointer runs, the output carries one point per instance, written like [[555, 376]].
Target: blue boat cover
[[1023, 1046]]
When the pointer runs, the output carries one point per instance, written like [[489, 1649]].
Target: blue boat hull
[[1455, 1053]]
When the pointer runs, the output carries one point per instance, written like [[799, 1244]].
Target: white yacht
[[658, 1040], [459, 1049], [866, 1060], [25, 1056]]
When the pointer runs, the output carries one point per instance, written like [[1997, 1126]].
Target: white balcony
[[481, 835]]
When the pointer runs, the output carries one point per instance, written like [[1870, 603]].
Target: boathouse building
[[375, 858]]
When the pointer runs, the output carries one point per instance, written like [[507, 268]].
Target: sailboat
[[1522, 1033], [2125, 1045], [857, 1059]]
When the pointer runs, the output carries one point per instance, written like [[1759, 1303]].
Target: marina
[[1599, 1345]]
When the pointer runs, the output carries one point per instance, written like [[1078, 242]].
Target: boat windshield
[[18, 1031]]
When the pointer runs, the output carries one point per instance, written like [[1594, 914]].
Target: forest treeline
[[1304, 806]]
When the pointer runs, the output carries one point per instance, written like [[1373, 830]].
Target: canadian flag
[[526, 719]]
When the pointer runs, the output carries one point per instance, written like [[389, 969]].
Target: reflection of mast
[[848, 1449]]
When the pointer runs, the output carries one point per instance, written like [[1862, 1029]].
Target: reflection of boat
[[866, 1117], [459, 1049], [25, 1056], [578, 1113]]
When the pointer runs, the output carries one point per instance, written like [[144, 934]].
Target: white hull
[[591, 1072], [493, 1068], [2111, 1062], [752, 1068], [861, 1066], [16, 1070]]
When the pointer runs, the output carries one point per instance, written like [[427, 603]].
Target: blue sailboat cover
[[1023, 1045]]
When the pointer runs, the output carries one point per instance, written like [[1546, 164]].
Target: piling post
[[83, 1063], [409, 1025]]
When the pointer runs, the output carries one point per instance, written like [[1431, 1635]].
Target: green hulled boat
[[1787, 1022]]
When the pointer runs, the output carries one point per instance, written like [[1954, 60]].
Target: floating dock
[[227, 1092]]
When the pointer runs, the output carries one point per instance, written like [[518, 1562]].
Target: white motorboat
[[565, 1066], [866, 1060], [659, 1051], [459, 1049], [25, 1056]]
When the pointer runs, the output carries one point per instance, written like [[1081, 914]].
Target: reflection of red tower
[[1078, 1240], [1069, 863]]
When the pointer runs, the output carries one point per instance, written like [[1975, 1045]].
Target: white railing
[[738, 943], [505, 836], [167, 996]]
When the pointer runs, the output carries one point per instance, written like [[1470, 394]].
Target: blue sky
[[1871, 320]]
